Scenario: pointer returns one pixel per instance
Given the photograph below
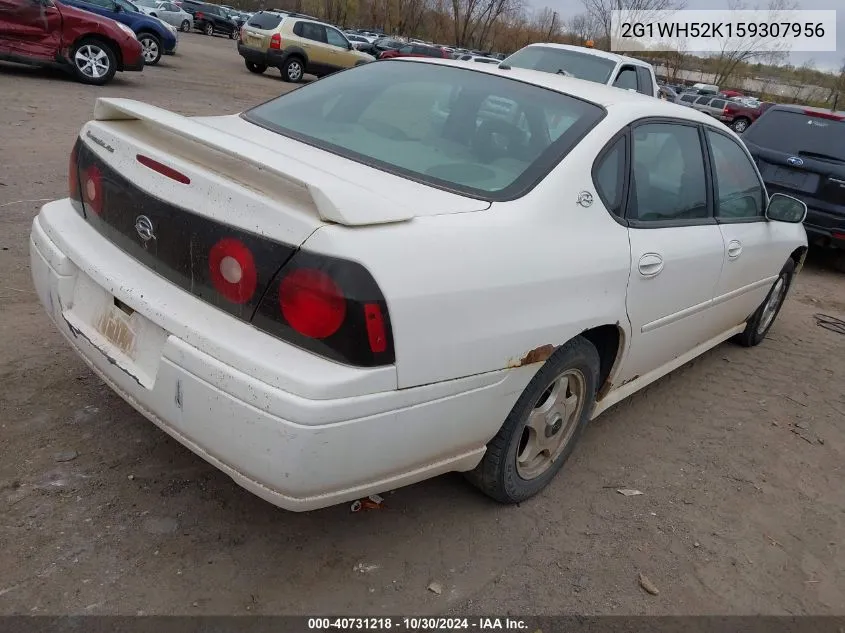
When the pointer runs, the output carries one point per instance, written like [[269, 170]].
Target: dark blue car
[[155, 36]]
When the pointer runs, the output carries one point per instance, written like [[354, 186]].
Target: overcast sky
[[823, 61]]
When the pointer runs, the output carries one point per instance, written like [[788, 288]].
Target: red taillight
[[164, 170], [73, 175], [375, 327], [232, 269], [92, 189], [838, 236], [198, 15], [312, 303], [276, 41], [825, 115]]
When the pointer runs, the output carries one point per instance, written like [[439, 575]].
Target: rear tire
[[255, 68], [93, 62], [293, 70], [543, 427], [150, 48], [761, 321], [740, 125], [208, 29]]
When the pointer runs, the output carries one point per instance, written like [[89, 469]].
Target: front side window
[[703, 100], [626, 79], [688, 98], [560, 60], [669, 182], [334, 38], [739, 193], [483, 135]]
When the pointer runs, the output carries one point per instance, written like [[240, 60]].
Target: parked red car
[[414, 50], [730, 93], [48, 33]]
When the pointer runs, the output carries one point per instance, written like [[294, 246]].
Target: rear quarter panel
[[475, 292]]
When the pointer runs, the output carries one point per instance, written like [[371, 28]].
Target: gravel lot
[[740, 455]]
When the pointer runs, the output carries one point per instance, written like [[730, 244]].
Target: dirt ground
[[740, 456]]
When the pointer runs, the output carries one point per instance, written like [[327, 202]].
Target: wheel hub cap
[[551, 424]]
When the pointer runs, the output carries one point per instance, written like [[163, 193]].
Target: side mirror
[[783, 208]]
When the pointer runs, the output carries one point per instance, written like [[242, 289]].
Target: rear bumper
[[262, 58], [293, 450]]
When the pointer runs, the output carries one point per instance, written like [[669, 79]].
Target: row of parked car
[[734, 109], [94, 39]]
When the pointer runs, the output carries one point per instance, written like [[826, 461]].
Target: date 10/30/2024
[[409, 624]]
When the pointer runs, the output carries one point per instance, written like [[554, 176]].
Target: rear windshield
[[554, 60], [799, 134], [482, 135], [265, 21]]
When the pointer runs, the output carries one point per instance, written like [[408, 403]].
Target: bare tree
[[583, 27], [642, 10], [736, 51]]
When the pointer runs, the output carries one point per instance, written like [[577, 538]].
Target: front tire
[[543, 427], [293, 70], [233, 35], [761, 321], [255, 68], [94, 62], [150, 48], [185, 26]]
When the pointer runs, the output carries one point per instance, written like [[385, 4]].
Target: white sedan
[[376, 278], [168, 12]]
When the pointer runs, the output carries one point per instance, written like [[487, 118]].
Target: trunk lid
[[217, 205]]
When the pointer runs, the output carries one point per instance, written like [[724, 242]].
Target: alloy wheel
[[92, 61]]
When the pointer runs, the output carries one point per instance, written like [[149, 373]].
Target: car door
[[756, 249], [313, 37], [30, 29], [676, 246], [338, 50]]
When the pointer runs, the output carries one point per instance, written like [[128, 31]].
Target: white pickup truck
[[602, 67]]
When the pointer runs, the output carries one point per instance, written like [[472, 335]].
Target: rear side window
[[688, 98], [718, 103], [475, 133], [265, 21], [310, 31], [702, 100], [646, 85], [609, 175], [797, 133]]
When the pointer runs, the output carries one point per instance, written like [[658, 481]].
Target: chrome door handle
[[734, 249], [650, 265]]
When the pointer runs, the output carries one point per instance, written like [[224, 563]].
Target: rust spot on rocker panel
[[536, 355]]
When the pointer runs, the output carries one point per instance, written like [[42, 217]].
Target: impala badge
[[585, 199]]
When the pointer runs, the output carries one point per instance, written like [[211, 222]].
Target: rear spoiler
[[336, 199]]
